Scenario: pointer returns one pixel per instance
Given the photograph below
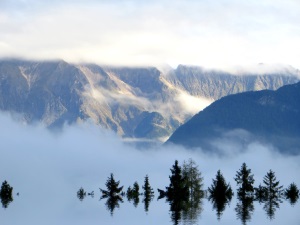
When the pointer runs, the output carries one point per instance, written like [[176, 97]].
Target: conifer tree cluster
[[114, 194], [185, 192], [133, 194]]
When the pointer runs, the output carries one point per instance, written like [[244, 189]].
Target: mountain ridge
[[135, 102], [267, 116]]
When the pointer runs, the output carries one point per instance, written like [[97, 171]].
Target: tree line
[[185, 192]]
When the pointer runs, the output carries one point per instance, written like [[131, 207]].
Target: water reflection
[[219, 204], [6, 201], [244, 209], [112, 203], [135, 199], [192, 210], [176, 206], [148, 197], [270, 206]]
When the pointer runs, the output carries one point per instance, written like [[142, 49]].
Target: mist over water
[[47, 169]]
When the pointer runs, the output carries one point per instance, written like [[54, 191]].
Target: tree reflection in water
[[270, 206], [192, 210], [147, 199], [186, 211], [219, 204], [6, 201], [135, 199], [244, 209], [112, 203]]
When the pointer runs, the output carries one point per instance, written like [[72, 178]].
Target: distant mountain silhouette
[[268, 116], [135, 102]]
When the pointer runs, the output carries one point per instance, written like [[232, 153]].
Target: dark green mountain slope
[[268, 116]]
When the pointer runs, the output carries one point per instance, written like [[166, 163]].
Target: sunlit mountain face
[[138, 103]]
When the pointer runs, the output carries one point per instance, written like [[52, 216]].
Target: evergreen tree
[[178, 189], [220, 193], [292, 193], [148, 193], [220, 189], [193, 179], [81, 194], [270, 194], [6, 194], [113, 194], [129, 193], [133, 194], [136, 189], [112, 186], [244, 180], [273, 190], [193, 207], [260, 193]]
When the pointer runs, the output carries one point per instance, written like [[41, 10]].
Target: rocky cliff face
[[217, 84], [134, 102]]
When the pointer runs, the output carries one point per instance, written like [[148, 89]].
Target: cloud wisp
[[48, 169]]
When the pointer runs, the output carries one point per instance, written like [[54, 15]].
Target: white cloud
[[191, 103], [208, 33]]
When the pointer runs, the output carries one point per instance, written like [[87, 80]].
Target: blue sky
[[216, 34]]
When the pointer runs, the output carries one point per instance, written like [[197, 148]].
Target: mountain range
[[136, 102], [271, 117]]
